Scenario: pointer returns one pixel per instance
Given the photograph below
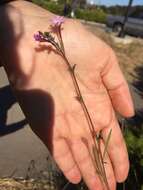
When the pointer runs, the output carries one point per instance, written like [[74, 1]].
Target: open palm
[[43, 86]]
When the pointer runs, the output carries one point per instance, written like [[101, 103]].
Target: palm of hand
[[46, 93]]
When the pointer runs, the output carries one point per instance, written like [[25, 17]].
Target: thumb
[[117, 87]]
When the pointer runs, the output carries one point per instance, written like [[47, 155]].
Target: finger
[[117, 87], [117, 150], [65, 161], [85, 164]]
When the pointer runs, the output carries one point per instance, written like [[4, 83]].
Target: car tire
[[117, 27]]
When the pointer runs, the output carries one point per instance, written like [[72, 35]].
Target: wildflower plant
[[97, 156]]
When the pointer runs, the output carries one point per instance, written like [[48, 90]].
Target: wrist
[[18, 12], [18, 22]]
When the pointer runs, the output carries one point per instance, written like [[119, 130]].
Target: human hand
[[46, 94]]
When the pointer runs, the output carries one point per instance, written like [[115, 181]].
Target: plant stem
[[97, 154]]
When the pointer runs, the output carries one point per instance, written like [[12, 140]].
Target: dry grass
[[41, 184], [12, 184]]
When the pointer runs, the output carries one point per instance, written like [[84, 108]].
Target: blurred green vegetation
[[134, 139], [97, 15], [89, 14], [54, 7]]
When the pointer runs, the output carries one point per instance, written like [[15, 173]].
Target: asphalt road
[[18, 144]]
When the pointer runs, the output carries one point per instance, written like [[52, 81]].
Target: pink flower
[[38, 37], [58, 21]]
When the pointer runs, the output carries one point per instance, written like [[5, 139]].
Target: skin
[[44, 89]]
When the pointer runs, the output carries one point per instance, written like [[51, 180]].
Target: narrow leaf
[[96, 160], [106, 144]]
